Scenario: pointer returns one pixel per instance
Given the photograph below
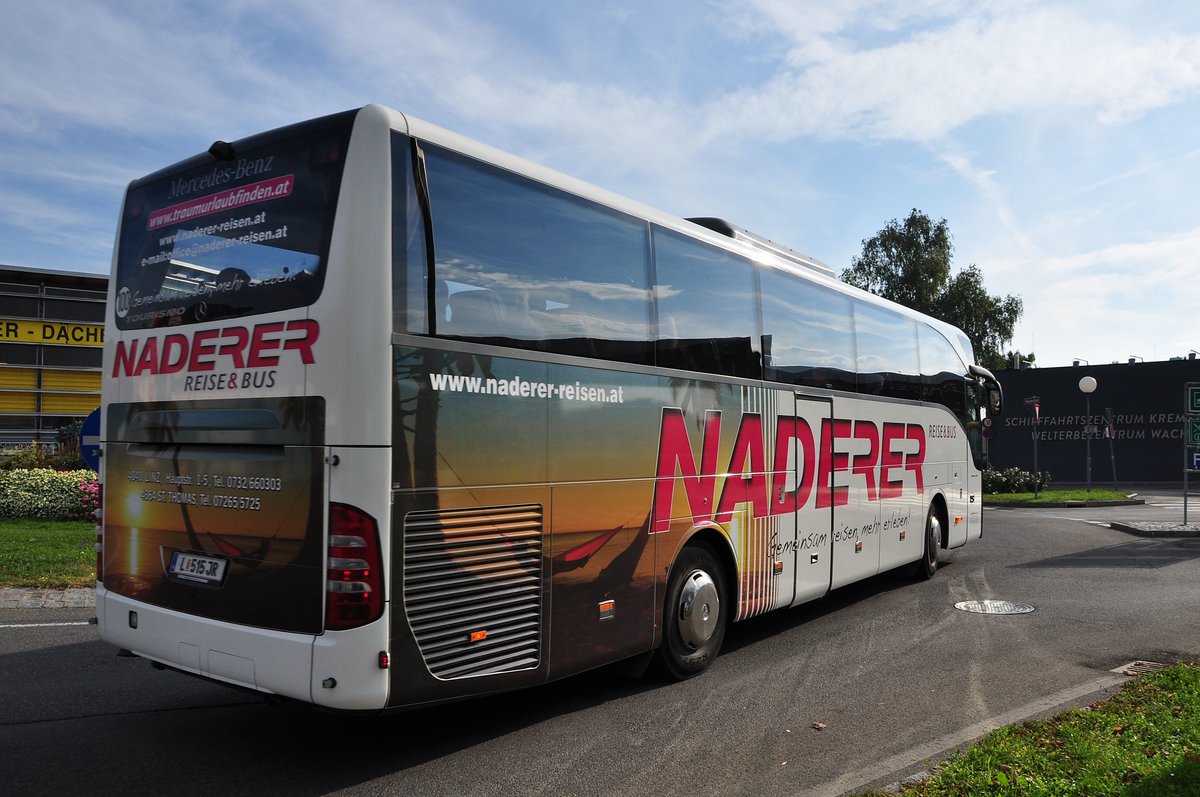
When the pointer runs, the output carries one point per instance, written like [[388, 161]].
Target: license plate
[[201, 569]]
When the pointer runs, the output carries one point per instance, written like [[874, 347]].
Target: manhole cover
[[1135, 668], [993, 607]]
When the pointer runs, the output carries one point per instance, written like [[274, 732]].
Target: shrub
[[89, 496], [66, 460], [1014, 480], [68, 456], [47, 494], [37, 455], [27, 457]]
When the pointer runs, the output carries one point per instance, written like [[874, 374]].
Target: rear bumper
[[337, 670]]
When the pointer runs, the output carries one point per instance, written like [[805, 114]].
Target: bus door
[[853, 448], [812, 521]]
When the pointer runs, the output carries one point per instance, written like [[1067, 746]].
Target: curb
[[1157, 530], [1062, 504]]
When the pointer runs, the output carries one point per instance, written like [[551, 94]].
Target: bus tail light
[[354, 593]]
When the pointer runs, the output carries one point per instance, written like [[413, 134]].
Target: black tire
[[928, 564], [695, 613]]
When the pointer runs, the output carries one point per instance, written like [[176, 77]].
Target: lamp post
[[1087, 386]]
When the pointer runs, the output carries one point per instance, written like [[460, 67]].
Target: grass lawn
[[1143, 742], [47, 553], [1054, 496]]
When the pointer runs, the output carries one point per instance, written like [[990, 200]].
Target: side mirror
[[995, 399]]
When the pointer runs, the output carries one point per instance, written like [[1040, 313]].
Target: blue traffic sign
[[89, 440]]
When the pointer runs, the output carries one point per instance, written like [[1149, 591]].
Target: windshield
[[210, 239]]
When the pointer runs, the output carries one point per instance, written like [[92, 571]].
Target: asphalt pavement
[[865, 687]]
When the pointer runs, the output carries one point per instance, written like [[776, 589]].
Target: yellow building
[[51, 340]]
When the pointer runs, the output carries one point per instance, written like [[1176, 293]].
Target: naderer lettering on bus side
[[881, 465]]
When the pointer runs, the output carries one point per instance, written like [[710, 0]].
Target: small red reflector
[[478, 636], [385, 660]]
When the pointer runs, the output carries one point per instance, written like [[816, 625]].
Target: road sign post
[[1034, 403], [1110, 431], [1191, 439]]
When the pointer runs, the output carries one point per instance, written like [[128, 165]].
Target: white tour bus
[[393, 418]]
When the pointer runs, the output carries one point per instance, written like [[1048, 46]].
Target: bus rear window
[[211, 239]]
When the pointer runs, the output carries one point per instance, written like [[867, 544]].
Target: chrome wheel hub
[[699, 608]]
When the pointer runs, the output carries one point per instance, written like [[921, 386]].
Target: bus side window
[[561, 274], [475, 313], [888, 363], [707, 307], [410, 256], [807, 339], [943, 374]]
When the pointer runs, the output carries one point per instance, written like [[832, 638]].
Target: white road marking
[[912, 760]]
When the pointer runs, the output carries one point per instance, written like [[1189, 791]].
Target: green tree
[[909, 262]]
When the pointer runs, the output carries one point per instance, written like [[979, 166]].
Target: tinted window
[[888, 364], [20, 306], [943, 374], [88, 357], [707, 307], [937, 354], [18, 354], [212, 239], [75, 311], [410, 257], [974, 400], [520, 263], [808, 337]]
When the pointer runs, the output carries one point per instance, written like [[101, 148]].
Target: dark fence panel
[[1145, 438]]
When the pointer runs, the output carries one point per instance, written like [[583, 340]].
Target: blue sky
[[1060, 140]]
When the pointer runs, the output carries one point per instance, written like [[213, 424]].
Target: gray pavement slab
[[35, 598]]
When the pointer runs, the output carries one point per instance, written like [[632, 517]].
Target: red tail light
[[355, 569]]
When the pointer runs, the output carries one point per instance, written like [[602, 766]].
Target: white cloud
[[146, 71], [1105, 304], [454, 69], [925, 82]]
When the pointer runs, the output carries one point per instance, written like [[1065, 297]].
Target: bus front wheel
[[928, 564], [694, 614]]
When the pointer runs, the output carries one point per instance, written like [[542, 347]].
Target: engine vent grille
[[473, 588]]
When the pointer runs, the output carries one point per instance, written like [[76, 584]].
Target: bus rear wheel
[[694, 614], [928, 564]]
